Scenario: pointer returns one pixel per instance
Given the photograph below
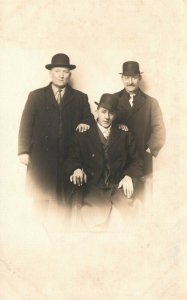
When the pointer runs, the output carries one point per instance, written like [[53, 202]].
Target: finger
[[85, 178], [74, 180], [120, 184], [125, 190], [130, 190], [71, 178], [81, 179]]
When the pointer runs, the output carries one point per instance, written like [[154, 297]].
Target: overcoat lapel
[[138, 103], [67, 97], [125, 105], [50, 97]]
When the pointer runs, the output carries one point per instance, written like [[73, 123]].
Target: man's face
[[105, 117], [60, 76], [131, 83]]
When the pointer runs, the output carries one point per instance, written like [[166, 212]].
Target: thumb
[[120, 185]]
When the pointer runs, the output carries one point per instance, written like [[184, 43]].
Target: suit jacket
[[145, 121], [45, 132], [87, 152]]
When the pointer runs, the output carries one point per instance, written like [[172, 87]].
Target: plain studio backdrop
[[98, 36]]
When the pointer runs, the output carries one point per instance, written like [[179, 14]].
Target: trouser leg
[[96, 209]]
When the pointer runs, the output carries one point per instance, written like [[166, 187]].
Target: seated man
[[103, 164]]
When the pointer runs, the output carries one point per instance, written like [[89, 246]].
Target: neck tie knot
[[106, 133]]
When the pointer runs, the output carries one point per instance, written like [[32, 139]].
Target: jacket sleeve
[[157, 136], [74, 160], [26, 126], [87, 116], [135, 163]]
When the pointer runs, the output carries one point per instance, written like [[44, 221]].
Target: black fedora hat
[[60, 60], [130, 68], [109, 102]]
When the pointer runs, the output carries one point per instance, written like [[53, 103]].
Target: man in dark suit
[[51, 116], [142, 114], [103, 162]]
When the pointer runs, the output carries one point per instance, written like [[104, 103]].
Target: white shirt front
[[105, 131], [131, 99]]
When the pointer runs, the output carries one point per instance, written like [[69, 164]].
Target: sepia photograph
[[93, 150]]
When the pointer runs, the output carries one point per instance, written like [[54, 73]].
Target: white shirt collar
[[103, 129], [55, 89]]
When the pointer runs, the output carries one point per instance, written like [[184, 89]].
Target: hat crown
[[60, 60], [131, 68], [109, 102]]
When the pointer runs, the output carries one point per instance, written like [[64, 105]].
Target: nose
[[62, 75], [107, 115], [130, 80]]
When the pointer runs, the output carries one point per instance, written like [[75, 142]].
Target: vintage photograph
[[93, 164]]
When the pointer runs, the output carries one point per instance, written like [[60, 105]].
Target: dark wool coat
[[87, 152], [45, 132], [145, 121]]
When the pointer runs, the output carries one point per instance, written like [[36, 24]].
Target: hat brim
[[104, 105], [130, 74], [50, 66]]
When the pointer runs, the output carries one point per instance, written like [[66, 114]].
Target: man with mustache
[[142, 114], [51, 116]]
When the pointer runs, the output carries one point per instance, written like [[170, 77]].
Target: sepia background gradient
[[147, 261]]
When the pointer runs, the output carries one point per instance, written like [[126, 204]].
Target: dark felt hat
[[60, 60], [130, 68], [109, 102]]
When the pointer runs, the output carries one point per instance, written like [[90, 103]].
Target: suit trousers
[[95, 211]]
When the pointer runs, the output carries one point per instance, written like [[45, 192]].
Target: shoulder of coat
[[148, 97], [76, 91], [40, 90], [119, 93]]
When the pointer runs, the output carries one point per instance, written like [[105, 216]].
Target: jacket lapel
[[113, 137], [95, 139]]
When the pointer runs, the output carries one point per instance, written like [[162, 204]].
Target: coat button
[[46, 137], [47, 149], [93, 155]]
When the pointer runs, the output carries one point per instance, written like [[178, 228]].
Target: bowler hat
[[130, 68], [60, 60], [109, 102]]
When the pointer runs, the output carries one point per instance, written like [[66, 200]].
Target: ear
[[140, 76]]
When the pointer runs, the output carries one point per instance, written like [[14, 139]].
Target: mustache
[[131, 85]]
